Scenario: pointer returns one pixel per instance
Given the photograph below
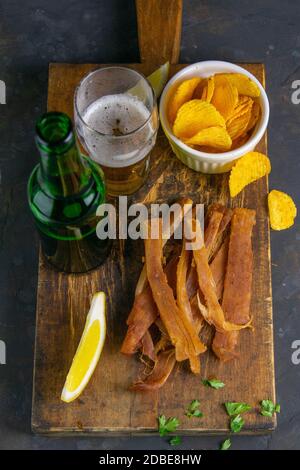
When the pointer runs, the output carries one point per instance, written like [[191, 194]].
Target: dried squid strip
[[213, 312], [163, 296], [238, 281], [162, 369]]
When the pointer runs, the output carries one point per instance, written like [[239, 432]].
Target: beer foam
[[118, 115]]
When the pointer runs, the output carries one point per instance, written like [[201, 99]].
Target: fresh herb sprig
[[236, 423], [236, 408], [213, 383], [167, 425], [193, 410], [268, 408], [175, 441], [225, 445]]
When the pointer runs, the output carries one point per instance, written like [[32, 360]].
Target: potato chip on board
[[194, 116], [183, 93], [243, 83], [251, 167], [282, 210], [216, 137], [225, 98]]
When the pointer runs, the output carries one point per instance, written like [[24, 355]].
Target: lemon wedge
[[88, 351], [159, 78]]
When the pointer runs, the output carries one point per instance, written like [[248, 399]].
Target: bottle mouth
[[54, 132]]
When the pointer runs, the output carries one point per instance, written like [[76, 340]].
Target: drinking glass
[[116, 121]]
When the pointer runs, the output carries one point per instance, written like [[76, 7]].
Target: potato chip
[[244, 84], [238, 123], [209, 89], [282, 210], [204, 93], [237, 126], [243, 105], [216, 137], [194, 116], [225, 98], [236, 143], [206, 149], [183, 94], [220, 79], [198, 93], [255, 114], [249, 168]]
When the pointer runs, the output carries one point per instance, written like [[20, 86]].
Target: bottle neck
[[63, 171]]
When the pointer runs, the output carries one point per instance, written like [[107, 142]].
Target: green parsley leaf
[[193, 410], [167, 425], [225, 445], [268, 408], [236, 423], [175, 441], [197, 414], [213, 383], [236, 408]]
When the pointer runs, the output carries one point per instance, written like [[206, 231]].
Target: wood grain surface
[[63, 301], [159, 30]]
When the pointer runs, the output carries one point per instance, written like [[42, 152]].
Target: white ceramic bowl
[[202, 161]]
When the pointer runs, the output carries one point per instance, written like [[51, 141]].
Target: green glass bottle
[[64, 192]]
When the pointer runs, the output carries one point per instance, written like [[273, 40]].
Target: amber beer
[[119, 129]]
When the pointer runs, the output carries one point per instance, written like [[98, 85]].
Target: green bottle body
[[64, 191]]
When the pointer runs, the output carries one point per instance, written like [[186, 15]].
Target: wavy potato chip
[[205, 89], [282, 210], [204, 94], [243, 83], [216, 137], [225, 98], [237, 126], [209, 89], [243, 105], [234, 106], [183, 93], [251, 167], [206, 149], [194, 116], [197, 95], [236, 143], [255, 114]]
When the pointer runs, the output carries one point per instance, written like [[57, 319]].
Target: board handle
[[159, 30]]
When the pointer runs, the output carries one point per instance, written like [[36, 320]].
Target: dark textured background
[[34, 33]]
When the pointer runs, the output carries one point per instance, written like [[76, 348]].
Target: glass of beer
[[116, 120]]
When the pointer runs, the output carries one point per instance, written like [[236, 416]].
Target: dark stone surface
[[34, 33]]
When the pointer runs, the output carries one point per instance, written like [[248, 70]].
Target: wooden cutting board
[[63, 300]]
